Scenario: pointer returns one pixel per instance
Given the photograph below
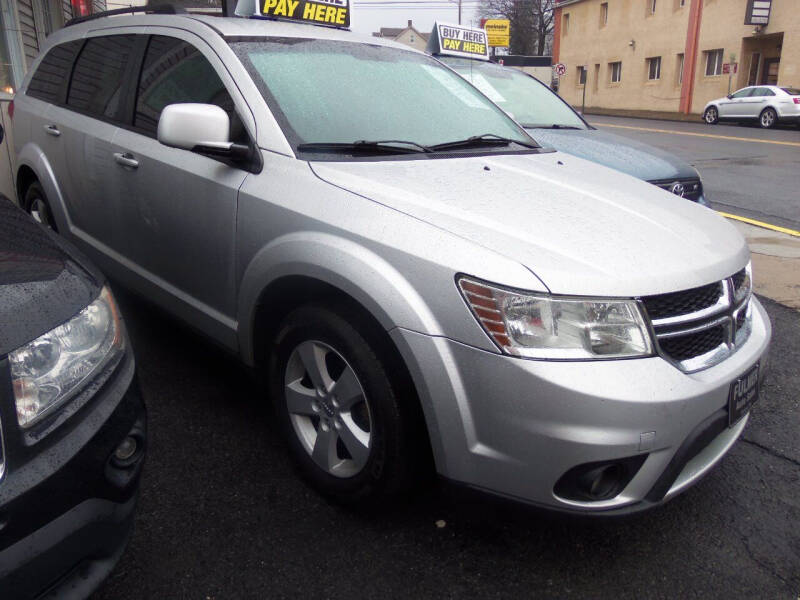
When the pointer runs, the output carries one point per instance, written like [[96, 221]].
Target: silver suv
[[414, 275]]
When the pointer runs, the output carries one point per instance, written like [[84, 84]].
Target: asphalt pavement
[[223, 515], [745, 170]]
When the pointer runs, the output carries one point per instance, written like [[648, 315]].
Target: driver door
[[735, 105], [179, 207]]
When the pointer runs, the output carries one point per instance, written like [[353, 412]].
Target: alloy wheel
[[41, 213], [328, 409], [711, 115], [767, 119]]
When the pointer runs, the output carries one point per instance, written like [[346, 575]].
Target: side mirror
[[729, 96], [201, 128]]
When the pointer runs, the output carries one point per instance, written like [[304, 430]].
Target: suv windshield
[[530, 102], [327, 93]]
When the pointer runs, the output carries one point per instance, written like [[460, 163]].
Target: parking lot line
[[708, 135], [761, 224]]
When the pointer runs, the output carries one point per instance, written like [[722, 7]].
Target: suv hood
[[620, 153], [43, 280], [581, 228]]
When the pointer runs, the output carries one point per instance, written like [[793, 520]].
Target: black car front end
[[72, 420]]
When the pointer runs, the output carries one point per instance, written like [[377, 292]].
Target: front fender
[[31, 156], [359, 272]]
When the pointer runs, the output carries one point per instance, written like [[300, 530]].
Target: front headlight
[[548, 327], [53, 367]]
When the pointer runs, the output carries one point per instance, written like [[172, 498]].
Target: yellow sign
[[326, 12], [499, 32]]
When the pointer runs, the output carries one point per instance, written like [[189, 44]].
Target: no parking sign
[[560, 69]]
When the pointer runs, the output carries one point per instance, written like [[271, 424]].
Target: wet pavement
[[223, 515]]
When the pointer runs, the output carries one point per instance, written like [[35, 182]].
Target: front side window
[[616, 71], [654, 68], [176, 72], [325, 92], [96, 86], [531, 103], [714, 62], [50, 79], [744, 93]]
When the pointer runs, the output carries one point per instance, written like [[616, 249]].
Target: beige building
[[405, 35], [673, 55]]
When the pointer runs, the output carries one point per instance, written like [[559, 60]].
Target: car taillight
[[11, 110], [796, 99]]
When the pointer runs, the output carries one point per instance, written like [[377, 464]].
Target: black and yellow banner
[[335, 13], [458, 41]]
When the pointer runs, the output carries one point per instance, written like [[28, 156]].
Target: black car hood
[[620, 153], [44, 281]]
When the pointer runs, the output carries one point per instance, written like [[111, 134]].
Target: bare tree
[[531, 23]]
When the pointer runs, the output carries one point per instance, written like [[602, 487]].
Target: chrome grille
[[700, 327], [691, 189]]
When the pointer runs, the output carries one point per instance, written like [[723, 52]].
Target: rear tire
[[768, 118], [711, 116], [37, 205], [340, 409]]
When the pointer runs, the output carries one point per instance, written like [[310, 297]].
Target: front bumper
[[514, 427], [66, 508]]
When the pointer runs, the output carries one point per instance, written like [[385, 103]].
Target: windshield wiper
[[384, 146], [553, 126], [486, 139]]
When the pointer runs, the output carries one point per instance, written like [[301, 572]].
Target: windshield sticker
[[480, 82], [334, 13], [455, 40], [462, 92]]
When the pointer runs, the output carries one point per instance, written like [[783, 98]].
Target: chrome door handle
[[52, 130], [126, 159]]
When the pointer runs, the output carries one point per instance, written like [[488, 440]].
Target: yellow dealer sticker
[[456, 40], [499, 32], [335, 13]]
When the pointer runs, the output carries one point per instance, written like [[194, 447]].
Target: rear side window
[[792, 91], [175, 72], [49, 82], [96, 86]]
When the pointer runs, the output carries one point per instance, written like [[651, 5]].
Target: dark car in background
[[552, 122], [72, 421]]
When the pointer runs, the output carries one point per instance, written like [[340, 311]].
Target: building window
[[680, 69], [566, 24], [654, 68], [651, 5], [755, 63], [581, 76], [604, 14], [714, 62], [681, 3], [616, 71]]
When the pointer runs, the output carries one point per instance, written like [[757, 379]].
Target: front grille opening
[[676, 304], [684, 347]]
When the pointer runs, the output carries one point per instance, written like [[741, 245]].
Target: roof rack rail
[[155, 9]]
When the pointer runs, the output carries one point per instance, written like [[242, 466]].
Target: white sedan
[[767, 104]]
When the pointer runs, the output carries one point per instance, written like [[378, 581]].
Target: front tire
[[37, 205], [340, 411], [711, 116], [768, 118]]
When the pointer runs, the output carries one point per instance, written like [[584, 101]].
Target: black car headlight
[[48, 371]]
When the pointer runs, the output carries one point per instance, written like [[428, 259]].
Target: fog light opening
[[127, 452], [602, 482]]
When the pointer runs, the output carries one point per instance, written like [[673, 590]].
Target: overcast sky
[[366, 19], [371, 15]]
